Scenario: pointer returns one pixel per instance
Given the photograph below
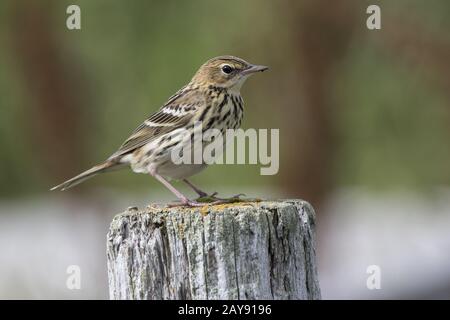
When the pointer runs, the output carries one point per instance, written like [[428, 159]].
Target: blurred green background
[[356, 108]]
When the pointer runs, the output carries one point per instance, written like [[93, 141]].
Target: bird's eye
[[227, 69]]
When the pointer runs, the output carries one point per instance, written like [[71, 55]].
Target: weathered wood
[[246, 250]]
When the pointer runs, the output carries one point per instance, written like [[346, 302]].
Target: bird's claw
[[206, 200], [212, 199], [230, 199], [188, 203]]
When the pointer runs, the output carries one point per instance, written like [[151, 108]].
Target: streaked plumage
[[211, 97]]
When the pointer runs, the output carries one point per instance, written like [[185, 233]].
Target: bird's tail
[[100, 168]]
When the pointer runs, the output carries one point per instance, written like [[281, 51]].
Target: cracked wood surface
[[244, 250]]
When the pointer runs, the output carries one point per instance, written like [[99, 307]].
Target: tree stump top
[[157, 211], [242, 250]]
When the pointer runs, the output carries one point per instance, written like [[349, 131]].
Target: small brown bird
[[212, 98]]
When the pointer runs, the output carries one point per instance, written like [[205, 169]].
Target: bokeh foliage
[[391, 119]]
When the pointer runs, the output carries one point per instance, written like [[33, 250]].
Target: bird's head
[[226, 72]]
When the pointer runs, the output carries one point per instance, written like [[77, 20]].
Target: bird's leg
[[201, 194], [184, 200]]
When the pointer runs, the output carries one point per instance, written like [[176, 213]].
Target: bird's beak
[[254, 68]]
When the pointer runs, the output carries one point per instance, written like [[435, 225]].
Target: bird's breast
[[226, 113]]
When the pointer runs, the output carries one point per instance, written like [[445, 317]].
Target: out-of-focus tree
[[320, 33], [55, 99]]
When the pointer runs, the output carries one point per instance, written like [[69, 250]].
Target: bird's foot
[[204, 197], [202, 194], [187, 203], [212, 199], [206, 200], [236, 197]]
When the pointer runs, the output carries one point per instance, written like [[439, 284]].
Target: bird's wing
[[176, 113]]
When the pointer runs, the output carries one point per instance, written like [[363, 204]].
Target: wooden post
[[245, 250]]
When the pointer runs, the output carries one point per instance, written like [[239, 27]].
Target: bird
[[212, 98]]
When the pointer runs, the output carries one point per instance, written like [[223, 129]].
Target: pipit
[[211, 98]]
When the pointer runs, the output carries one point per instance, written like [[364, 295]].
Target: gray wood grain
[[247, 250]]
